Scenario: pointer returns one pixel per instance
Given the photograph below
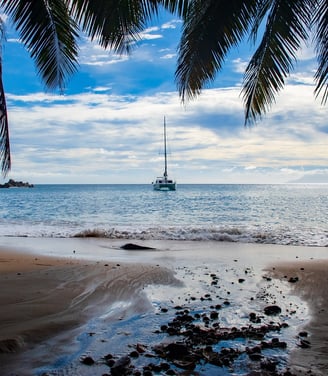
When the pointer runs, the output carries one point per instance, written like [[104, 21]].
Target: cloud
[[147, 34], [97, 132], [239, 65]]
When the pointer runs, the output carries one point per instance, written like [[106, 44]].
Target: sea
[[285, 214]]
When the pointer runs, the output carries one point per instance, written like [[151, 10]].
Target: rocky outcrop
[[16, 184]]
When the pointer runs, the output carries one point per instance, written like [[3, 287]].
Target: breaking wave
[[256, 234]]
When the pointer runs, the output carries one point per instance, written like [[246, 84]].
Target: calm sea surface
[[276, 214]]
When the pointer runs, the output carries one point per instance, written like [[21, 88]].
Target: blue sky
[[107, 127]]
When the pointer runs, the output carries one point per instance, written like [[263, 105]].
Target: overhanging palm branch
[[114, 24], [287, 25], [320, 22], [49, 34], [179, 7], [4, 127], [211, 29]]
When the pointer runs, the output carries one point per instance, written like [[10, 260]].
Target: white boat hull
[[162, 184]]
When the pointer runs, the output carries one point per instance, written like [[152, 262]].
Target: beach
[[68, 303]]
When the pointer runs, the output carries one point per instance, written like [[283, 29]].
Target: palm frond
[[321, 39], [114, 24], [211, 28], [49, 34], [179, 7], [287, 25], [5, 156], [262, 10]]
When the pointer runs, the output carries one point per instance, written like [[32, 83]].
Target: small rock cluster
[[194, 340]]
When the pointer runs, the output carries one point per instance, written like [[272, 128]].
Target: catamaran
[[164, 183]]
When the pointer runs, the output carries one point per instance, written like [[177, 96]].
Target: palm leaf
[[321, 38], [49, 34], [287, 25], [115, 24], [4, 128], [179, 7], [211, 28]]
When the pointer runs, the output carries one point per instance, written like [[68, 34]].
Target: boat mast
[[165, 154]]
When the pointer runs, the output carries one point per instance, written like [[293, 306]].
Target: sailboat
[[164, 183]]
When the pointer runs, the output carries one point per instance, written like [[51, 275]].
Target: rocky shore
[[172, 308], [195, 342]]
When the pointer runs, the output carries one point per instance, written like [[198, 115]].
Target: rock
[[16, 184], [255, 356], [131, 246], [134, 354], [121, 366], [304, 344], [272, 310], [87, 360], [177, 350], [214, 315]]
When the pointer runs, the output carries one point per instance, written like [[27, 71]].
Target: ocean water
[[273, 214]]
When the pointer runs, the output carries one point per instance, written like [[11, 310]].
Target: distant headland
[[16, 184]]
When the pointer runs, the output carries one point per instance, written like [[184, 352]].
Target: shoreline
[[309, 280], [82, 283]]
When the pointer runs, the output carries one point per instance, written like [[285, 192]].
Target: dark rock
[[164, 366], [293, 279], [177, 350], [272, 310], [269, 365], [87, 361], [140, 348], [304, 344], [131, 246], [121, 366], [170, 372], [188, 365], [214, 315], [134, 354], [255, 356], [16, 184]]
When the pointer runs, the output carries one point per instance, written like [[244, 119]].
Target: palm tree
[[50, 29], [213, 27]]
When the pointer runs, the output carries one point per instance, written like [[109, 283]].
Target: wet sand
[[54, 287], [309, 280]]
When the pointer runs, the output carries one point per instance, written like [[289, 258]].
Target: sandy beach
[[67, 302]]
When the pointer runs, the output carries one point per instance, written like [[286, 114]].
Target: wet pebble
[[272, 310], [87, 360]]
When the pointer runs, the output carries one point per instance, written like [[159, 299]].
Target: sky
[[107, 127]]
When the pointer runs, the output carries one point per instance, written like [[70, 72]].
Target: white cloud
[[147, 34], [168, 56], [95, 134], [239, 65], [173, 24]]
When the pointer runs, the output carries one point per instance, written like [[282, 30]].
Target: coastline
[[54, 287], [309, 280]]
